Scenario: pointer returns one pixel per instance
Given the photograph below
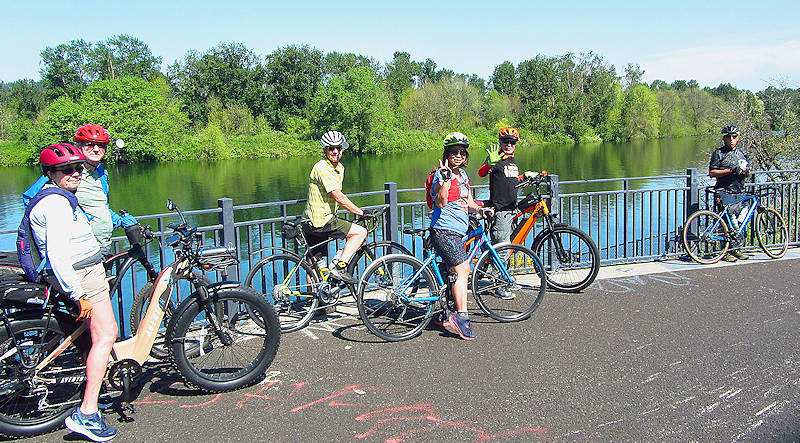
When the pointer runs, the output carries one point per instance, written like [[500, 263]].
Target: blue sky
[[749, 44]]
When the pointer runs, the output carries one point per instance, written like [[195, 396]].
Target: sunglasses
[[461, 152], [508, 142], [731, 136], [99, 145], [335, 148], [70, 170]]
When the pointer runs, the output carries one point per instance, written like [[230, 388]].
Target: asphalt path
[[690, 354]]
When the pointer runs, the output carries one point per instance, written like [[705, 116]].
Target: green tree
[[357, 106], [338, 63], [294, 74], [639, 115], [64, 70], [504, 78], [442, 106], [401, 73], [633, 75], [121, 56], [230, 72]]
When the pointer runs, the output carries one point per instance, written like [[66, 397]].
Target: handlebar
[[534, 181]]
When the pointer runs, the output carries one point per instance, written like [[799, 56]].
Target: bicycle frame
[[121, 263], [480, 240], [725, 214]]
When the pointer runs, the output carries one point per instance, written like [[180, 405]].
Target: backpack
[[29, 258], [455, 189]]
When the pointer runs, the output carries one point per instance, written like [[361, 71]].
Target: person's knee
[[357, 231]]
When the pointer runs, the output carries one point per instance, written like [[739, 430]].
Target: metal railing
[[630, 219]]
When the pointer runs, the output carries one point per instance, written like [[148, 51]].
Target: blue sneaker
[[94, 427], [462, 327]]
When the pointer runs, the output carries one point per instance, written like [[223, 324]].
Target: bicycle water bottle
[[743, 214]]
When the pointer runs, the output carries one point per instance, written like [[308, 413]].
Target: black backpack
[[27, 251]]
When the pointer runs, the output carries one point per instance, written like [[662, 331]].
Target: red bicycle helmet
[[509, 133], [92, 133], [61, 154]]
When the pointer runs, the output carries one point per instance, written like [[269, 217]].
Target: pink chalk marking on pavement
[[147, 400], [240, 403], [216, 397], [344, 391]]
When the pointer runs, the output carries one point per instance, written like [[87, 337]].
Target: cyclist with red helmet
[[503, 177], [72, 263], [93, 192]]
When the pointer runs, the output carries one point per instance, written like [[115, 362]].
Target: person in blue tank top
[[453, 201]]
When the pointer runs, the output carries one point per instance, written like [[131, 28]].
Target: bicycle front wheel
[[141, 302], [570, 258], [237, 332], [290, 284], [389, 297], [771, 232], [30, 406], [705, 237], [511, 297]]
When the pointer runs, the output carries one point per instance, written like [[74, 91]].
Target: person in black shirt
[[730, 166]]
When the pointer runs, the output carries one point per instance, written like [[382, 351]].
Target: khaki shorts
[[94, 283]]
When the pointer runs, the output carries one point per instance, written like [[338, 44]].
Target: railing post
[[391, 227], [228, 231], [625, 186], [693, 194], [555, 198]]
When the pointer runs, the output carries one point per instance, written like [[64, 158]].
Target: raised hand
[[445, 171], [494, 154]]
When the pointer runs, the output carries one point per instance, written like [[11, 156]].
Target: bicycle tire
[[221, 367], [139, 307], [697, 229], [771, 232], [524, 292], [570, 258], [383, 312], [378, 249], [296, 302], [21, 414]]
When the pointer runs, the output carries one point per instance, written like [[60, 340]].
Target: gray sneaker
[[339, 271], [504, 294]]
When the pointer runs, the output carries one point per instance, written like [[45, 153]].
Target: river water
[[144, 188]]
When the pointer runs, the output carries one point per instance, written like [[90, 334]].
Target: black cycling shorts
[[449, 247], [336, 228]]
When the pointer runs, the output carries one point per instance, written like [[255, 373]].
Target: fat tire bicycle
[[569, 255], [398, 295], [43, 348], [298, 286], [707, 235]]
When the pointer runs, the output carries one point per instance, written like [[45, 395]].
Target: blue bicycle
[[707, 235], [398, 294]]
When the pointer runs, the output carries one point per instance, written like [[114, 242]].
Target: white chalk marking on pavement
[[747, 431], [609, 423], [309, 334], [708, 409], [685, 400], [270, 377], [650, 411], [676, 363], [651, 377], [767, 408]]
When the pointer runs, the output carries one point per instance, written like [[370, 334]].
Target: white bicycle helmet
[[334, 138]]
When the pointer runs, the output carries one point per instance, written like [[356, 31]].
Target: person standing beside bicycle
[[504, 175], [71, 255], [93, 191], [730, 166], [450, 192], [324, 198]]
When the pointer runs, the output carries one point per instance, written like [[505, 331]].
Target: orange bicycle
[[570, 257]]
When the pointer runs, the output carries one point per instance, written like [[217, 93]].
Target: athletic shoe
[[504, 294], [462, 327], [740, 255], [729, 257], [339, 271], [94, 427]]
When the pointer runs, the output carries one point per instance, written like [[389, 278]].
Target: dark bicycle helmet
[[456, 139], [92, 133], [731, 130], [61, 154]]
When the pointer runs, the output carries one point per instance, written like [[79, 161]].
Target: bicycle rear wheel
[[388, 297], [141, 302], [231, 357], [30, 407], [570, 258], [771, 232], [506, 299], [705, 237], [290, 284]]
